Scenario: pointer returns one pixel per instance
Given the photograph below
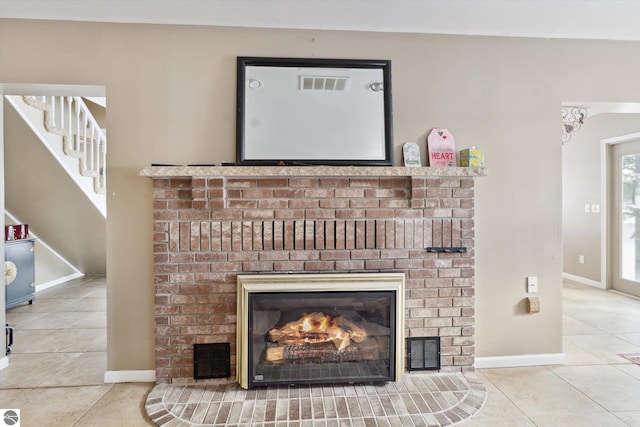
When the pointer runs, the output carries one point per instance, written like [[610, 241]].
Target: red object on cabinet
[[16, 232]]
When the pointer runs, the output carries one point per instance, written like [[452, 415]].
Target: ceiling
[[578, 19]]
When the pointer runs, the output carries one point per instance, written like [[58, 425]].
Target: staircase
[[67, 128], [69, 117], [55, 164]]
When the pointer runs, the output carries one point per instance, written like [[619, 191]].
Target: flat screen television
[[313, 111]]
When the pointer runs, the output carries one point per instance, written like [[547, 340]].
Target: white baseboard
[[51, 283], [4, 362], [520, 360], [583, 280], [130, 376]]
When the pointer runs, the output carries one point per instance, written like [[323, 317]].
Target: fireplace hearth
[[329, 328]]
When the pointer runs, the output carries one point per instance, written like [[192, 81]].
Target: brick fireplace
[[213, 223]]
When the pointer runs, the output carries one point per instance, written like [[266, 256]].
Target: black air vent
[[423, 353], [211, 360]]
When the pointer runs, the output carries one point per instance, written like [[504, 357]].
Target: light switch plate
[[532, 284]]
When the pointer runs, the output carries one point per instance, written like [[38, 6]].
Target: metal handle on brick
[[455, 249]]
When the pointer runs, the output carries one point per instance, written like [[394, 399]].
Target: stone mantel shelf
[[307, 171]]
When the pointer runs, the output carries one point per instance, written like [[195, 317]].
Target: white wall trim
[[55, 282], [4, 362], [520, 360], [583, 280], [130, 376]]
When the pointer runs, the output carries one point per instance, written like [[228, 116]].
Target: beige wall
[[171, 98]]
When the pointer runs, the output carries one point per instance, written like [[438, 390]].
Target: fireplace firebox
[[313, 337], [330, 328]]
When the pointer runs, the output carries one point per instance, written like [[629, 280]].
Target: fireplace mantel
[[307, 171]]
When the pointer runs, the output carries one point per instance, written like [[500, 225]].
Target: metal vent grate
[[423, 353], [324, 83], [211, 360]]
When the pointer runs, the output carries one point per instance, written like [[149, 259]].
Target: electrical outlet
[[532, 284], [581, 259], [595, 208]]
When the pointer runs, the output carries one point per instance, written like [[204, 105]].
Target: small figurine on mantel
[[441, 147], [411, 154], [472, 157]]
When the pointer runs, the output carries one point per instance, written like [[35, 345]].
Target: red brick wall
[[208, 230]]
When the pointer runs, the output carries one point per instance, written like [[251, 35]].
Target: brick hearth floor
[[418, 400]]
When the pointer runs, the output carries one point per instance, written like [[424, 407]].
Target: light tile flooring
[[595, 388], [58, 360], [55, 371]]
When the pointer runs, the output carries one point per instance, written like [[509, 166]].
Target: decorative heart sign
[[441, 147]]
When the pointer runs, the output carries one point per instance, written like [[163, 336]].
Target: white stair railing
[[69, 117]]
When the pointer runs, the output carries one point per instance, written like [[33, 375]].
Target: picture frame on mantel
[[311, 111]]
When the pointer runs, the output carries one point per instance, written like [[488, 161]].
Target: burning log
[[324, 353], [275, 353], [318, 337], [316, 328], [309, 326], [356, 333]]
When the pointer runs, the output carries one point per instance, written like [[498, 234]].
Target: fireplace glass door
[[321, 337]]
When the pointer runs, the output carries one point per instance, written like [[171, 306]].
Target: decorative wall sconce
[[572, 120]]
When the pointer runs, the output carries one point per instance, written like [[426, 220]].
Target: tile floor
[[57, 364], [595, 388], [55, 371]]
